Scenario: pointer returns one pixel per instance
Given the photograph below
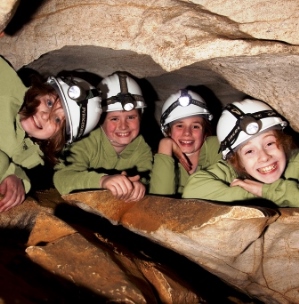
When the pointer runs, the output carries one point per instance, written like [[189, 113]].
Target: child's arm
[[214, 184], [284, 193], [251, 186], [74, 172], [163, 175], [168, 146]]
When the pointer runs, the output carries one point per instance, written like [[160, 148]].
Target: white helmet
[[121, 93], [182, 104], [241, 120], [81, 103]]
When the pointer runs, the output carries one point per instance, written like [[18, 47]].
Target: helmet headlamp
[[127, 101], [75, 92], [185, 99], [249, 124]]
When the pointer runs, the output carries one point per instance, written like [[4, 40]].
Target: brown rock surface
[[233, 50], [252, 248]]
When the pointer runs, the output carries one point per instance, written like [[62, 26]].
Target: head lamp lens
[[76, 93], [127, 101], [184, 101], [128, 106], [250, 125], [252, 128]]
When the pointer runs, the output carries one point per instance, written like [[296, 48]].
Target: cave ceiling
[[223, 49]]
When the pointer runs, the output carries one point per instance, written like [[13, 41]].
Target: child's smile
[[263, 158]]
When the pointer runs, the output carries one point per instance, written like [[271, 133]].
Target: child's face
[[47, 120], [188, 133], [262, 158], [121, 127]]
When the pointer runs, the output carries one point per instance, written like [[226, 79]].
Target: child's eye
[[271, 143], [132, 117], [49, 103], [57, 120], [248, 152]]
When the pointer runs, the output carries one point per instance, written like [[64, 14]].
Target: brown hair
[[284, 140], [54, 145]]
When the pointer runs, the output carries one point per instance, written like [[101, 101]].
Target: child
[[185, 123], [114, 156], [33, 128], [259, 161]]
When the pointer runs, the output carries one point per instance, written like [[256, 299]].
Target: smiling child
[[35, 124], [113, 156], [258, 159], [187, 146]]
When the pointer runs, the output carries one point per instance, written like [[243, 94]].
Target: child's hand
[[13, 192], [251, 186], [169, 147], [119, 185], [138, 189], [182, 158]]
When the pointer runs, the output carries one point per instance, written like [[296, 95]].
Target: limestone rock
[[255, 249], [110, 273], [234, 50], [7, 11]]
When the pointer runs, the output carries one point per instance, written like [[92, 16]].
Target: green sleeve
[[8, 168], [144, 163], [89, 159], [167, 180], [163, 174], [143, 160], [284, 193], [214, 184], [209, 152], [73, 173]]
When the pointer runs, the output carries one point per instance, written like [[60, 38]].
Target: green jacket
[[214, 184], [87, 160], [169, 177], [16, 151]]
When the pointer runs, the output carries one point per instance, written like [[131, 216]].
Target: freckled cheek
[[134, 126]]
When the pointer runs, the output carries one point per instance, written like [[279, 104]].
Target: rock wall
[[232, 48]]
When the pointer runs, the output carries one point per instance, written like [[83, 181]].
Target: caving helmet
[[181, 104], [81, 103], [241, 120], [120, 92]]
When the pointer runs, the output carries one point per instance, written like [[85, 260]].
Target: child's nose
[[263, 155], [122, 124], [187, 130], [45, 115]]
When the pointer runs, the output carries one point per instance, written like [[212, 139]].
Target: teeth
[[123, 134], [268, 168], [188, 142]]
